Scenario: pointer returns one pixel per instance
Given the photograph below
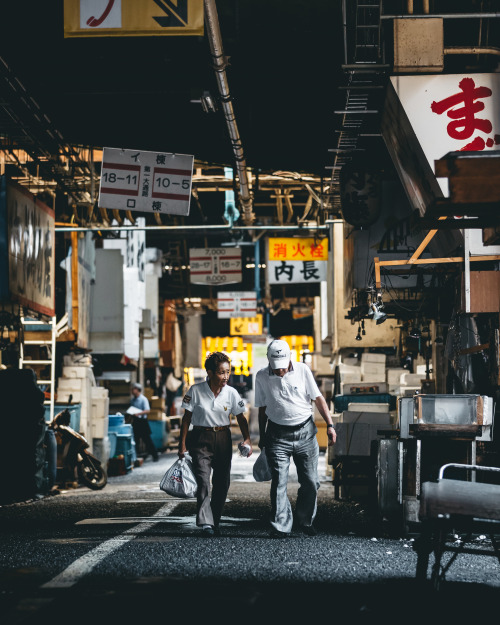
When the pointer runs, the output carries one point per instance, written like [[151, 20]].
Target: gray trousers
[[212, 453], [283, 443]]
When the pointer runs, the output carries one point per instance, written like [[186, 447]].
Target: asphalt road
[[130, 552]]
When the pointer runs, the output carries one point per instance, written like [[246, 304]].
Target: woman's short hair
[[215, 359]]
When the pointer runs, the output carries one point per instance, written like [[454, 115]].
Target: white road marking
[[186, 521], [84, 565]]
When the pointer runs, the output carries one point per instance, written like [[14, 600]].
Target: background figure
[[140, 424], [283, 394]]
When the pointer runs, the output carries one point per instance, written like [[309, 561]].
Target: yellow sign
[[131, 18], [298, 249], [245, 325], [239, 352]]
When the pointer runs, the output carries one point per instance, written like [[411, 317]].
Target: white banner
[[296, 271], [215, 265], [148, 182], [234, 304]]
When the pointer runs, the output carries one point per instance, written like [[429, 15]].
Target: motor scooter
[[73, 455]]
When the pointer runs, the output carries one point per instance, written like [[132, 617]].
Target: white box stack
[[373, 367], [78, 381], [394, 378], [100, 412]]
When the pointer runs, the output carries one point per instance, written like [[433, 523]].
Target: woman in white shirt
[[207, 406]]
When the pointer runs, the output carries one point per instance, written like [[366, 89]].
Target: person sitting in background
[[140, 424]]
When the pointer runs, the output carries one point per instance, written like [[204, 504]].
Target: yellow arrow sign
[[130, 18], [245, 325]]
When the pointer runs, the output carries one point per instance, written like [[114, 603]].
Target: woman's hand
[[249, 443]]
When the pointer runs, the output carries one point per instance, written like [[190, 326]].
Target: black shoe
[[217, 531], [274, 533], [308, 530], [208, 531], [155, 458]]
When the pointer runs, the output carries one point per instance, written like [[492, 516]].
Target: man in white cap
[[283, 394]]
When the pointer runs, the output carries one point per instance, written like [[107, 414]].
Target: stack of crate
[[158, 422]]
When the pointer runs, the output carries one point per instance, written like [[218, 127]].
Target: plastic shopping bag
[[261, 470], [179, 480]]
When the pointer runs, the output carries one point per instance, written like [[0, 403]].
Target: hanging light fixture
[[375, 312]]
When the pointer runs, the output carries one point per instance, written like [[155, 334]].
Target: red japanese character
[[280, 249], [317, 251], [299, 250], [465, 116]]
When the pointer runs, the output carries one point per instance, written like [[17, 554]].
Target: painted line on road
[[84, 565]]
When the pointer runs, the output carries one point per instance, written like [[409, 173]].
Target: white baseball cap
[[278, 354]]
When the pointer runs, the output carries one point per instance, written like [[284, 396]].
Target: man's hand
[[182, 452], [332, 436], [262, 442]]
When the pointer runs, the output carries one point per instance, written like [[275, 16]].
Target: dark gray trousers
[[211, 453]]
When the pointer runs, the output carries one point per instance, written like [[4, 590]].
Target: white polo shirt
[[208, 410], [287, 399]]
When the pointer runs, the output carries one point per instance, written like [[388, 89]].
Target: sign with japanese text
[[148, 182], [295, 248], [31, 254], [130, 18], [451, 113], [245, 326], [215, 265], [234, 304], [297, 260]]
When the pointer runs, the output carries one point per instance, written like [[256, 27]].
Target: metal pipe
[[219, 65], [458, 16], [198, 228], [472, 50]]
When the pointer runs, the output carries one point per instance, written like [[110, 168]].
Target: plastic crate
[[74, 410], [342, 401]]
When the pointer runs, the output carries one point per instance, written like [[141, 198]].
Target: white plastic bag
[[261, 470], [179, 480]]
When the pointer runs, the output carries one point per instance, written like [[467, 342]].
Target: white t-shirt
[[287, 399], [208, 410]]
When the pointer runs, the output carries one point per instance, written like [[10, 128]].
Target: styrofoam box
[[72, 384], [372, 371], [378, 358], [80, 360], [351, 376], [79, 372], [99, 428], [366, 386], [394, 375], [366, 416], [355, 407], [100, 408], [411, 379]]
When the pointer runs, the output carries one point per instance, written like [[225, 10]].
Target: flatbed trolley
[[450, 505]]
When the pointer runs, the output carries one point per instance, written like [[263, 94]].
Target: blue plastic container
[[112, 444], [342, 401], [74, 410], [124, 447], [159, 434], [114, 420]]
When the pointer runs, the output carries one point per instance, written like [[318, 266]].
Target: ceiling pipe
[[219, 64], [472, 50], [196, 229]]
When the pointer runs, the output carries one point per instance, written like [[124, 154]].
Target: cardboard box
[[156, 415], [158, 403]]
